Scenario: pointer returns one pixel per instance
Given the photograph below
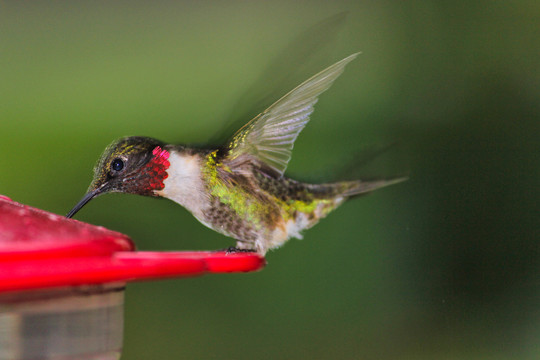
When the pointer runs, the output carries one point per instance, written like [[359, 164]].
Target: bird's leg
[[233, 250]]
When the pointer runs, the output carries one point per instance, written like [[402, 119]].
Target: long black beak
[[83, 202]]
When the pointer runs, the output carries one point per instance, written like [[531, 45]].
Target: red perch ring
[[40, 250]]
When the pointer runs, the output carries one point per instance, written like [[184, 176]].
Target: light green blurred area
[[444, 266]]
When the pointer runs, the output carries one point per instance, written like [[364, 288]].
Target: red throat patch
[[157, 169]]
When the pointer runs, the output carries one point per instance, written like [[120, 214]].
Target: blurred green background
[[444, 266]]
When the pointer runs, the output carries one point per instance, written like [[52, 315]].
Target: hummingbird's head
[[136, 165]]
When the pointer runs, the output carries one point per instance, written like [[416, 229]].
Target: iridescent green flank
[[310, 207], [239, 200], [257, 210]]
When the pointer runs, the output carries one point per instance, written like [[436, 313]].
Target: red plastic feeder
[[62, 283]]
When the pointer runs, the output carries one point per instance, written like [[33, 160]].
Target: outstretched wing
[[270, 136]]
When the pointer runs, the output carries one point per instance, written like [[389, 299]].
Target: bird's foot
[[234, 250]]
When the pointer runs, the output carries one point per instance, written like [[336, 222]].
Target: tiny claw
[[234, 250]]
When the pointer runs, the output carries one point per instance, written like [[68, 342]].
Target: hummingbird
[[239, 189]]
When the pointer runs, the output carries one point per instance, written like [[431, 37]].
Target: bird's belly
[[222, 218]]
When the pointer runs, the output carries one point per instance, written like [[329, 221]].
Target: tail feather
[[360, 187]]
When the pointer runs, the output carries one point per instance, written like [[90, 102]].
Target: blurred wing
[[270, 136]]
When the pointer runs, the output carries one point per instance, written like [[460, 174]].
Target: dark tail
[[360, 187], [350, 188]]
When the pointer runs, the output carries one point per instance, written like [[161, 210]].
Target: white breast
[[184, 183]]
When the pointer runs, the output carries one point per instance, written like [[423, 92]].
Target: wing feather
[[270, 136]]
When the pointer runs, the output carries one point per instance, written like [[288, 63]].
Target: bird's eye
[[117, 164]]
